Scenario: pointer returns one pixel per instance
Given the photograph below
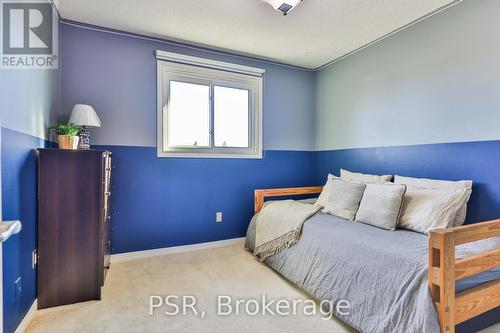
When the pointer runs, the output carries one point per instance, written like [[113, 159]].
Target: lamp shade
[[84, 115]]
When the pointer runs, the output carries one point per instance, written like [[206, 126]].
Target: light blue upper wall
[[437, 81], [29, 100], [116, 74]]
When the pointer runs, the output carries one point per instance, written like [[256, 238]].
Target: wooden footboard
[[260, 195], [444, 270]]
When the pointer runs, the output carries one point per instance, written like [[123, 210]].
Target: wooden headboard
[[260, 195]]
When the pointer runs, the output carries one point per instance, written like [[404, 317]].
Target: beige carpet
[[204, 274]]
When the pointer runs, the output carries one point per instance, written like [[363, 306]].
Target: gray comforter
[[382, 274]]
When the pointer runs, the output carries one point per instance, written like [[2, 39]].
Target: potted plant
[[67, 135]]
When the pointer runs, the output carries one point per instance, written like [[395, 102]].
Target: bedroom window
[[208, 109]]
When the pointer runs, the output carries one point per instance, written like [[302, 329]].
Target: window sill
[[162, 154]]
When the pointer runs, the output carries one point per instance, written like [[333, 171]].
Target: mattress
[[477, 280], [461, 285], [382, 274]]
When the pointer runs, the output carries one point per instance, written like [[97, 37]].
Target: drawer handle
[[108, 194]]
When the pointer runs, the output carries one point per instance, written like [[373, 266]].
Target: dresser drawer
[[106, 221], [107, 181], [107, 199], [107, 178], [107, 248]]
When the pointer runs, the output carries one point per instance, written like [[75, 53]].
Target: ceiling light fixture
[[283, 6]]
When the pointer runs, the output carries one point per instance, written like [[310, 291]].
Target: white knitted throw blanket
[[279, 225]]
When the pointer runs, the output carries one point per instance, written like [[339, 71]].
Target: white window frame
[[175, 67]]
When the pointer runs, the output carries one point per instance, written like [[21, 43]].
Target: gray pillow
[[364, 177], [381, 205], [344, 198]]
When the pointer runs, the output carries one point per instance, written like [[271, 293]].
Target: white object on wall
[[218, 217]]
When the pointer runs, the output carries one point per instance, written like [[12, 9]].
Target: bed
[[418, 274]]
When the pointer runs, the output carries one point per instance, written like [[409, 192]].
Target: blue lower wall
[[163, 202], [19, 202], [478, 161]]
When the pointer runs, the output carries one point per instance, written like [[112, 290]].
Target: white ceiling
[[313, 34]]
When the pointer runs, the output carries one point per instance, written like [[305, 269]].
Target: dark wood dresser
[[74, 225]]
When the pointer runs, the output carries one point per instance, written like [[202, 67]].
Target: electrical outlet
[[18, 289], [34, 259], [218, 217]]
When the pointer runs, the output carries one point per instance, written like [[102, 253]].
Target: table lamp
[[84, 116]]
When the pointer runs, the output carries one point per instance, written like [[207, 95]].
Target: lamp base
[[84, 143]]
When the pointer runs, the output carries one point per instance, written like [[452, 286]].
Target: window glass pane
[[230, 117], [188, 115]]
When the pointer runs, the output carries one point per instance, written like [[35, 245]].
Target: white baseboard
[[23, 326], [175, 249]]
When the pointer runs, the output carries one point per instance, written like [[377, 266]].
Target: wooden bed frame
[[444, 270]]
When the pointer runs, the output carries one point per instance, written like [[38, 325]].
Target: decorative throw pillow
[[381, 205], [344, 198], [459, 219], [363, 177], [425, 209], [325, 193]]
